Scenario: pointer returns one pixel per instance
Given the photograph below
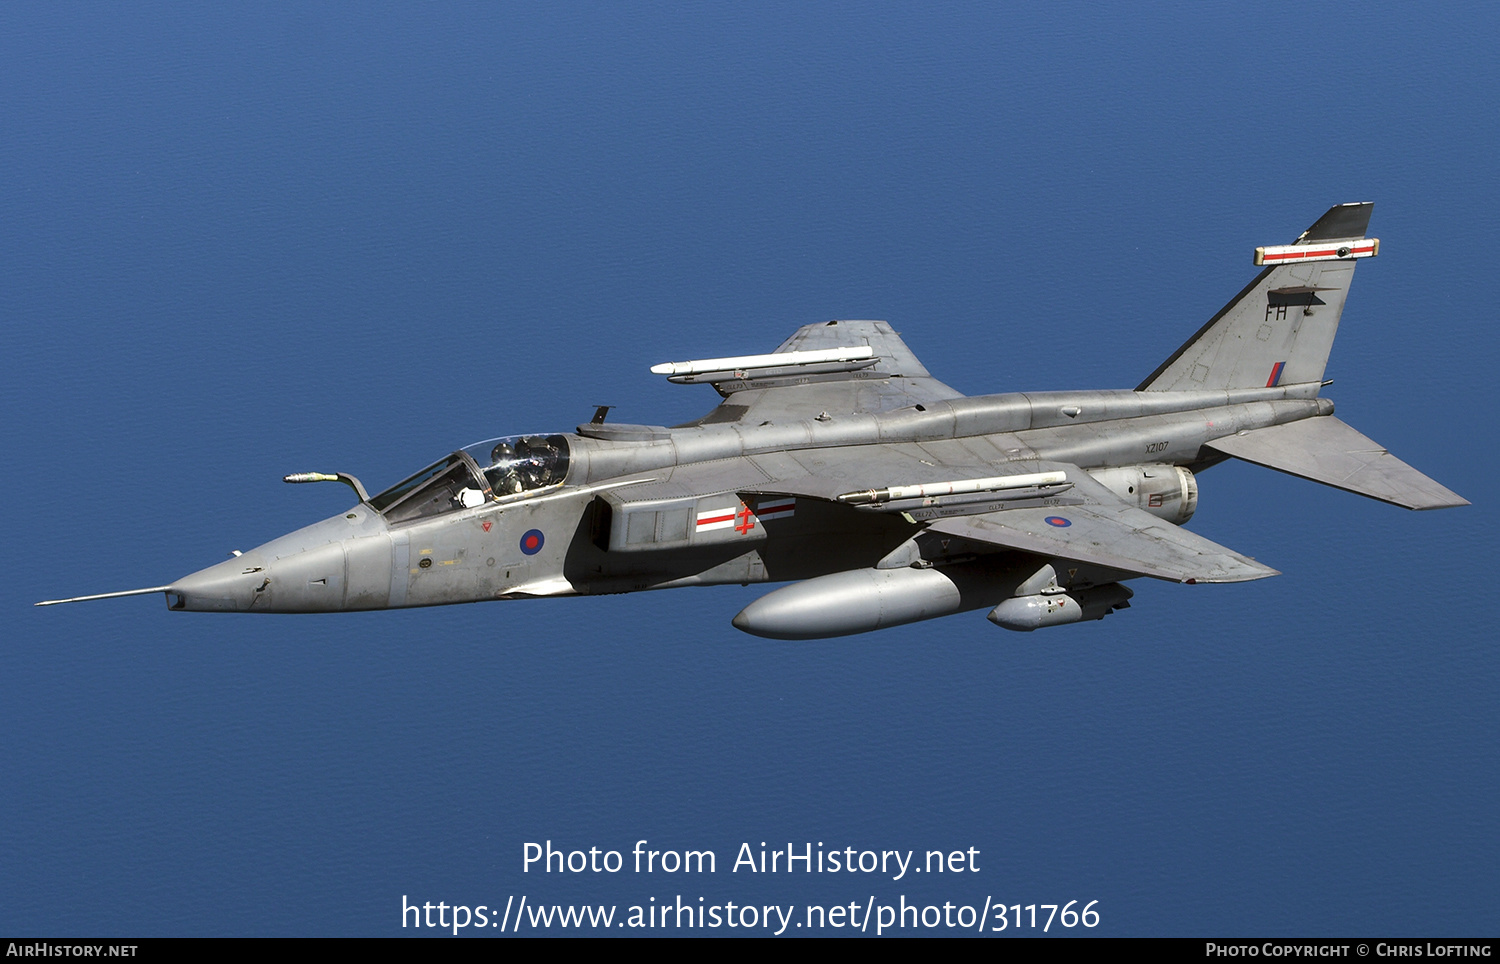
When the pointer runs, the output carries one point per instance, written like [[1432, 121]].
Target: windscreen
[[509, 467], [442, 486]]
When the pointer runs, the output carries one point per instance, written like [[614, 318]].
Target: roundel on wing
[[531, 542], [1058, 521]]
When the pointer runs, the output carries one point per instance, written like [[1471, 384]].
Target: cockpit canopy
[[498, 469]]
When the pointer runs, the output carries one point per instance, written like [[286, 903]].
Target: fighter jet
[[838, 464]]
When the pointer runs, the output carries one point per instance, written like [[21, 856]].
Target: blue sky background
[[240, 241]]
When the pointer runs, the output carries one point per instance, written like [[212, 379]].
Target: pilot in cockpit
[[502, 474]]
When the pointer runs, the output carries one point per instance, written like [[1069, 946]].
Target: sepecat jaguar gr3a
[[838, 464]]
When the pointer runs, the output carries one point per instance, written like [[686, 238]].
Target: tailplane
[[1327, 450], [1279, 330]]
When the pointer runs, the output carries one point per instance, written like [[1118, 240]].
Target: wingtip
[[1456, 502], [1244, 574]]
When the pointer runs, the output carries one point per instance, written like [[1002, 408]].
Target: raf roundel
[[531, 542], [1058, 521]]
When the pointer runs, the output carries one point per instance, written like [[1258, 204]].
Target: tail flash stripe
[[1281, 254], [1275, 374]]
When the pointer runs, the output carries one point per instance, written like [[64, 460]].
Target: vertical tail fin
[[1279, 330]]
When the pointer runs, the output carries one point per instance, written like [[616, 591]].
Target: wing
[[1078, 519], [896, 379], [1104, 531]]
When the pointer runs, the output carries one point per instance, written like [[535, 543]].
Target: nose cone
[[339, 564], [232, 586]]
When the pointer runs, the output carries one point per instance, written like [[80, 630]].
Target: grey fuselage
[[558, 540]]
